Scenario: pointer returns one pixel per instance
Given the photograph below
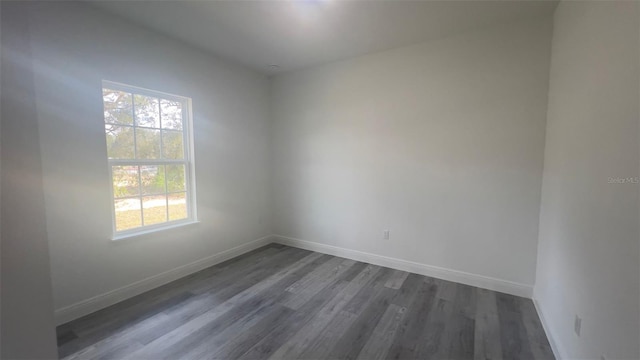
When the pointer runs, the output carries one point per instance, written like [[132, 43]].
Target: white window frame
[[188, 161]]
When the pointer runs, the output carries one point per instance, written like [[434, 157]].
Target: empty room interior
[[320, 179]]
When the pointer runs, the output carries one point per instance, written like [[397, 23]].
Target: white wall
[[441, 143], [27, 330], [76, 47], [588, 248]]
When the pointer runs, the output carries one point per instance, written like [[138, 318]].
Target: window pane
[[171, 114], [148, 143], [152, 177], [178, 206], [117, 107], [127, 214], [175, 178], [119, 141], [147, 111], [125, 181], [154, 209], [172, 147]]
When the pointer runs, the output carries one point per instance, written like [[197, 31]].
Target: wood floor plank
[[199, 308], [352, 272], [408, 335], [238, 290], [115, 319], [487, 344], [110, 350], [354, 339], [440, 322], [379, 342], [513, 336], [447, 290], [142, 302], [461, 326], [104, 331], [397, 278], [311, 284], [254, 269], [117, 345], [324, 271], [295, 345], [323, 345], [191, 334], [460, 332], [279, 302], [279, 334], [369, 291], [540, 347], [278, 290], [407, 291], [433, 343], [241, 335]]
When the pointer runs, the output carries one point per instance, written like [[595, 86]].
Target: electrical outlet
[[386, 234], [577, 324]]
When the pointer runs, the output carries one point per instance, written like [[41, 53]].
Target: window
[[150, 158]]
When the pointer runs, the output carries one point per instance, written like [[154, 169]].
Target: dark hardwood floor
[[279, 302]]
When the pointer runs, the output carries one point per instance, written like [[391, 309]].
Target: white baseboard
[[462, 277], [557, 352], [101, 301]]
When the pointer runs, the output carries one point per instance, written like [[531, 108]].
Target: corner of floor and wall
[[525, 184]]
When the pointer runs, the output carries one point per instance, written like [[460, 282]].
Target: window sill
[[146, 232]]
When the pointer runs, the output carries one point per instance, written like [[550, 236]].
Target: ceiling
[[303, 33]]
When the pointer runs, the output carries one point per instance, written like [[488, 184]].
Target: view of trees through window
[[146, 150]]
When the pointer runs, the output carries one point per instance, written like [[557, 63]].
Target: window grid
[[162, 161], [138, 196]]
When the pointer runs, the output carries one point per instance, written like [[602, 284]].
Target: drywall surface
[[441, 143], [76, 47], [27, 304], [588, 248]]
